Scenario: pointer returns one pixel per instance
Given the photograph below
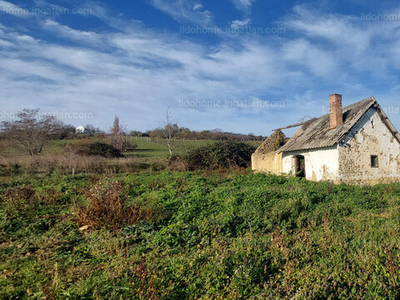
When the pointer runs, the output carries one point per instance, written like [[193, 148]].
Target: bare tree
[[30, 131], [169, 131]]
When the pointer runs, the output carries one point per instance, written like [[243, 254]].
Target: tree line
[[30, 131]]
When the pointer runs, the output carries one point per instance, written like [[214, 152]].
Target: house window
[[374, 161]]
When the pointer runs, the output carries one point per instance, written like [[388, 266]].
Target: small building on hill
[[80, 129], [355, 144]]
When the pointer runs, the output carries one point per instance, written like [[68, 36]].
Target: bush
[[225, 154], [107, 208], [104, 149], [98, 148]]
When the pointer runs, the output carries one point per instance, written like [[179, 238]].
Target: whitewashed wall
[[320, 164]]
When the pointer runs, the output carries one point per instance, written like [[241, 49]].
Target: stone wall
[[370, 136]]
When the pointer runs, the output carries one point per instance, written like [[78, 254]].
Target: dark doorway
[[299, 166]]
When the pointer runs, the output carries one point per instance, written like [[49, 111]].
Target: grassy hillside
[[197, 236], [159, 149], [146, 148]]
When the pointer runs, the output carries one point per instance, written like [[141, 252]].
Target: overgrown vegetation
[[211, 235], [227, 154], [30, 131], [89, 148], [108, 208]]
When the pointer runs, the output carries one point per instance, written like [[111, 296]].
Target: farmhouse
[[355, 144], [80, 129]]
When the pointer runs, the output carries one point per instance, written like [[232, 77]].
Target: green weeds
[[205, 235]]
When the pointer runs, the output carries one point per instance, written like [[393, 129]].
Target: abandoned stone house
[[355, 144]]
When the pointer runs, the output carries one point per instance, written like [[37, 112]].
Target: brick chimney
[[336, 114]]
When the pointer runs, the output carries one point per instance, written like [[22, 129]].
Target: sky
[[244, 66]]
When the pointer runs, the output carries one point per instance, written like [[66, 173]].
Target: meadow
[[149, 155], [224, 234]]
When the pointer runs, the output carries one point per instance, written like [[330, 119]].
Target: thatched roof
[[272, 143]]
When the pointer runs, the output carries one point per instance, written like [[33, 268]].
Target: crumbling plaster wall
[[370, 136], [320, 164], [267, 162]]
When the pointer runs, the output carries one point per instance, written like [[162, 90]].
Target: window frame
[[374, 161]]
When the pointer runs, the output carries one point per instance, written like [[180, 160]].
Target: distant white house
[[80, 129]]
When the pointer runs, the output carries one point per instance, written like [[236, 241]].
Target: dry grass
[[70, 163], [18, 198], [107, 208]]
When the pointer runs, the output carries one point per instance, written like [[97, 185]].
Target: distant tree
[[30, 131], [135, 133], [156, 133], [91, 130], [118, 137], [66, 131], [169, 131], [116, 129], [184, 133]]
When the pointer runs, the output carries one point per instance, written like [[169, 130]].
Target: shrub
[[104, 150], [225, 154], [17, 199], [108, 208], [98, 148]]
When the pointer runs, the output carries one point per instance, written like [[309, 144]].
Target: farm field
[[196, 235], [146, 147]]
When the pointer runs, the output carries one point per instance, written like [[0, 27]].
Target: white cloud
[[355, 44], [185, 11], [198, 6], [317, 61], [70, 33], [142, 75], [240, 23], [12, 9], [243, 4], [136, 73], [336, 28]]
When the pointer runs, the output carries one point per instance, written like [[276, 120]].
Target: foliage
[[226, 154], [91, 130], [103, 149], [187, 134], [118, 138], [107, 207], [208, 235], [93, 148], [30, 131]]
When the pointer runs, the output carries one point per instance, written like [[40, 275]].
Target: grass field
[[146, 147], [159, 149], [204, 235]]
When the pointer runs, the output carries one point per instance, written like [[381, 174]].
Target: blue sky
[[245, 66]]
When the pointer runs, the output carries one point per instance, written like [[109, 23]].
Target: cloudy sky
[[245, 66]]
